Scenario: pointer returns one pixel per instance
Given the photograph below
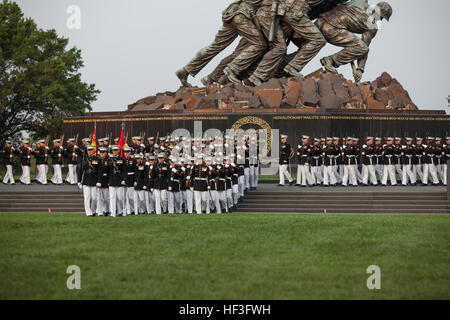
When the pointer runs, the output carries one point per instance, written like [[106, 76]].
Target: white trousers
[[139, 201], [247, 178], [429, 169], [129, 200], [224, 200], [409, 172], [235, 192], [399, 170], [160, 200], [254, 176], [440, 168], [329, 175], [369, 171], [9, 174], [174, 201], [419, 170], [25, 178], [201, 201], [358, 174], [189, 201], [380, 170], [215, 201], [389, 172], [316, 175], [149, 202], [349, 175], [57, 174], [241, 181], [90, 200], [303, 175], [284, 172], [102, 201], [72, 174], [337, 174], [116, 195], [42, 174]]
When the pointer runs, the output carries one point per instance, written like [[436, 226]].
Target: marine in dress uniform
[[349, 158], [150, 198], [8, 155], [159, 183], [140, 184], [304, 153], [40, 153], [398, 155], [339, 166], [389, 163], [71, 154], [285, 155], [25, 161], [173, 191], [102, 184], [369, 161], [200, 181], [129, 167], [116, 174], [408, 170], [56, 153], [429, 168], [316, 162], [88, 180], [330, 163], [440, 157], [419, 157], [447, 158], [379, 156]]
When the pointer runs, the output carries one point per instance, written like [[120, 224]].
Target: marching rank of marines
[[267, 27], [153, 176], [335, 161]]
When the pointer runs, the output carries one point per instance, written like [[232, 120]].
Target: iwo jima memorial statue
[[260, 86]]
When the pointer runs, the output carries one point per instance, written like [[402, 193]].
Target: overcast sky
[[131, 48]]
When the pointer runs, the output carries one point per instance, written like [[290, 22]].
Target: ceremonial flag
[[121, 142], [94, 138]]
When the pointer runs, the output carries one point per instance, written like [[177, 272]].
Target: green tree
[[40, 83]]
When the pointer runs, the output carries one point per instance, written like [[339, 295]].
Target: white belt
[[204, 179], [130, 173]]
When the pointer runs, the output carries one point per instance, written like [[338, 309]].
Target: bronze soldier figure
[[237, 20], [339, 27]]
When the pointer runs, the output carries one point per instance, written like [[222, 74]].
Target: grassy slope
[[224, 256]]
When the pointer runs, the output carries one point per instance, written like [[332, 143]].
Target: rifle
[[74, 155], [275, 22], [31, 147], [61, 147], [46, 146]]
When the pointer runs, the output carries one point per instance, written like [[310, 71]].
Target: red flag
[[121, 143], [94, 138]]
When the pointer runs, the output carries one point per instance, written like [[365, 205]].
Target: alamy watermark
[[74, 280]]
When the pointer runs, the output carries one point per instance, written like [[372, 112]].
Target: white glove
[[170, 188], [144, 187], [80, 186], [152, 190], [135, 184], [99, 184], [209, 188], [123, 183]]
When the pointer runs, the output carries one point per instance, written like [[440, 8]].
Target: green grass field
[[224, 256]]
